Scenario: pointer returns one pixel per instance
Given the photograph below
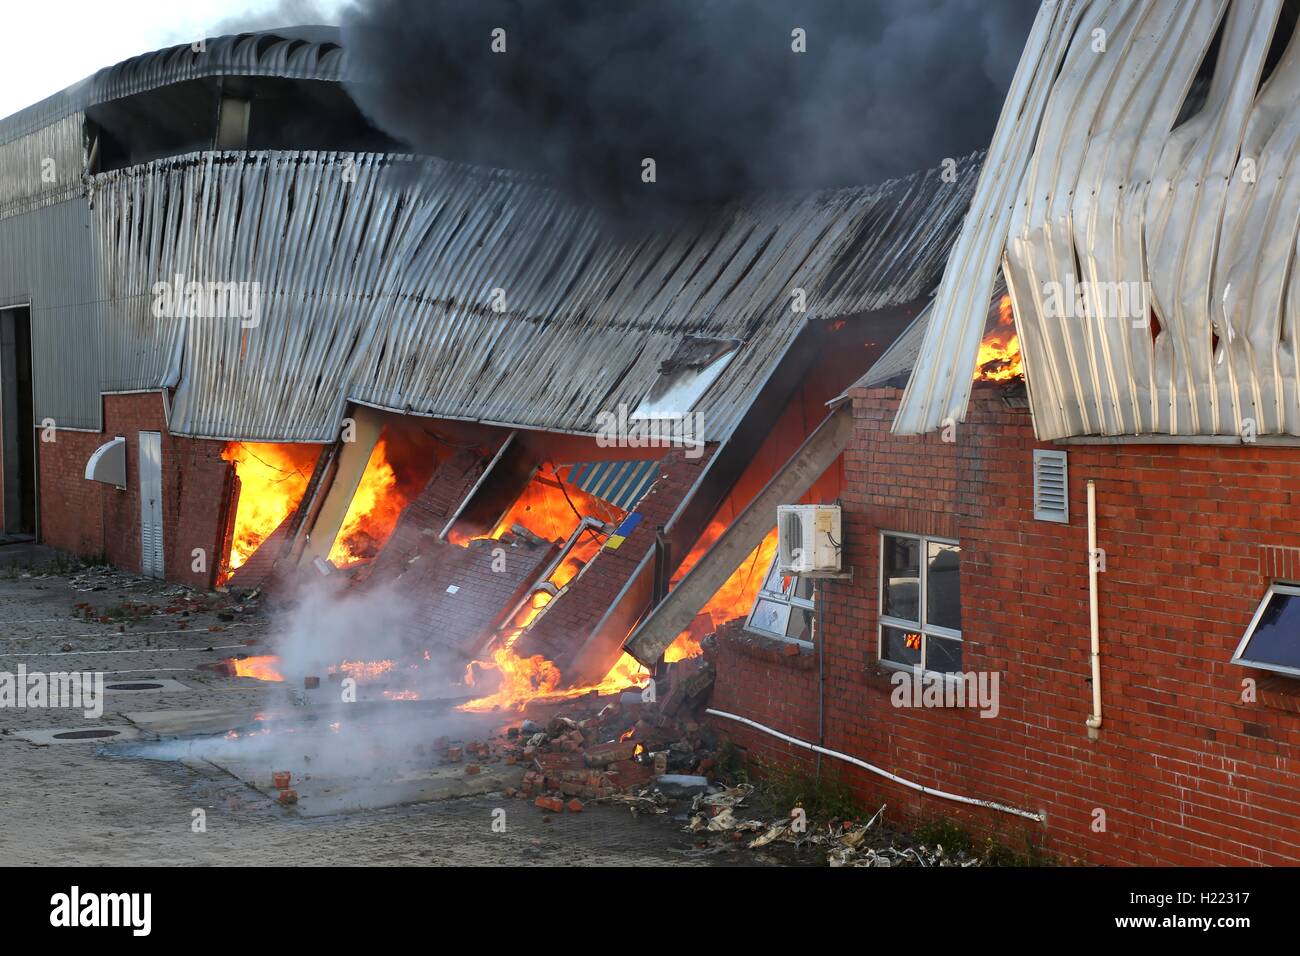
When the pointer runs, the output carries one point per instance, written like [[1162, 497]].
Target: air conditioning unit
[[808, 539]]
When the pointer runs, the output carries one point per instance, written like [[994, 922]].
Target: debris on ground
[[624, 750], [844, 842]]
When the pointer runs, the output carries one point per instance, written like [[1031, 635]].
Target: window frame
[[807, 604], [920, 626], [1274, 589]]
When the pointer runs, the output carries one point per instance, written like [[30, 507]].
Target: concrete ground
[[93, 802]]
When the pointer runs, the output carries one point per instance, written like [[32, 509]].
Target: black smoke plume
[[712, 90]]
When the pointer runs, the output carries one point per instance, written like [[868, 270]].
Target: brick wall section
[[562, 630], [92, 519], [451, 626], [426, 514], [1185, 771], [257, 570], [756, 675], [197, 486]]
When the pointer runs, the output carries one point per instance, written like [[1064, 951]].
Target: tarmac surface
[[171, 787]]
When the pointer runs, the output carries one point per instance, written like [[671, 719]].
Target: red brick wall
[[451, 627], [1184, 770], [91, 519], [762, 679]]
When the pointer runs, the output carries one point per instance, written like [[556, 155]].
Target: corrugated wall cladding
[[1178, 219], [45, 258], [377, 276], [42, 168]]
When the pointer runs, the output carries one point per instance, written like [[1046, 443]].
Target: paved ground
[[79, 804]]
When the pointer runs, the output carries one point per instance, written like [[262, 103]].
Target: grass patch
[[827, 798], [989, 850]]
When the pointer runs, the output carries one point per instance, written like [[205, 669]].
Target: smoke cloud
[[712, 90]]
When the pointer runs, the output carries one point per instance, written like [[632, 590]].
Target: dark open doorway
[[17, 437]]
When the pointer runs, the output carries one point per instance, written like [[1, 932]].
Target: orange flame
[[526, 679], [552, 510], [272, 481], [372, 513], [999, 358], [734, 599], [265, 667]]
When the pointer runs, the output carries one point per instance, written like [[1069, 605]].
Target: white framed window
[[1272, 642], [783, 608], [920, 602]]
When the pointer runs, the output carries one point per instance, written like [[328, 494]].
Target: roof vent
[[1051, 502]]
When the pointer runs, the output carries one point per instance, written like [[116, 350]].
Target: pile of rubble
[[607, 750]]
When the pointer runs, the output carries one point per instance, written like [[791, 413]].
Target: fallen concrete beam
[[351, 465], [818, 452]]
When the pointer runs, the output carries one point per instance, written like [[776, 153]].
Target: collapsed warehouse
[[249, 341]]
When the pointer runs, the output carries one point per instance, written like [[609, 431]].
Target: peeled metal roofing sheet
[[1191, 220], [939, 388]]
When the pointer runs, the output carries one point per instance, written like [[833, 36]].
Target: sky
[[47, 45]]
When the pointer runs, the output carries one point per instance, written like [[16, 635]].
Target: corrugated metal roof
[[377, 276], [1151, 208], [295, 53]]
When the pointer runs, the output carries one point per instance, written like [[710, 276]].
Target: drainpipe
[[1094, 720], [819, 643]]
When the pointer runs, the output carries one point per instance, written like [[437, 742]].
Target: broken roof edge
[[895, 366], [295, 52], [938, 391]]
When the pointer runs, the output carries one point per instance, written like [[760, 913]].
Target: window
[[920, 602], [685, 376], [783, 608], [1272, 641]]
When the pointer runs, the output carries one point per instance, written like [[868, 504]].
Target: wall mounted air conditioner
[[808, 539]]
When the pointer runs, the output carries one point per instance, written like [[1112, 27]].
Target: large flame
[[272, 481], [528, 679], [552, 510], [999, 358], [372, 513], [734, 599]]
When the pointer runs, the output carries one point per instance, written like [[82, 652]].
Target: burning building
[[255, 340], [1066, 613]]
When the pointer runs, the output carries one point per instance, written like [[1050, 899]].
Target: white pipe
[[989, 804], [1094, 720]]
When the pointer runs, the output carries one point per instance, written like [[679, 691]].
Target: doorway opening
[[17, 432]]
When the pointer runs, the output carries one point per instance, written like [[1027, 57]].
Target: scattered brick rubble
[[606, 749]]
